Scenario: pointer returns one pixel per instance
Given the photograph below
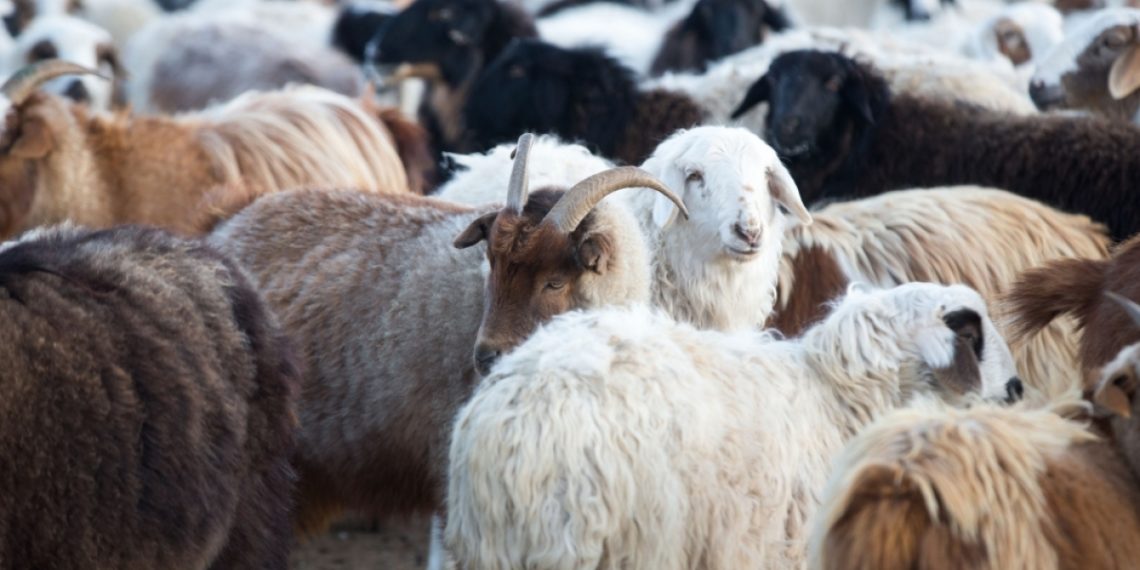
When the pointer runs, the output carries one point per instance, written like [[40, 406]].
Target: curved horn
[[1127, 304], [518, 187], [578, 201], [25, 82]]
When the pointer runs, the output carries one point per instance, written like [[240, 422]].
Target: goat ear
[[476, 232], [1124, 77], [596, 253], [34, 140], [757, 93], [785, 192]]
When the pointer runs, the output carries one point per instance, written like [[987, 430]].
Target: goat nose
[[751, 236], [1014, 390], [485, 358], [77, 92]]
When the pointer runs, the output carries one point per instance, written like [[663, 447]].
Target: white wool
[[553, 163], [621, 439], [122, 18], [1041, 24], [704, 273], [631, 35], [75, 40], [908, 66]]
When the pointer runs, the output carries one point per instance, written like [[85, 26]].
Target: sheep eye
[[833, 84], [516, 71], [554, 285], [1114, 40]]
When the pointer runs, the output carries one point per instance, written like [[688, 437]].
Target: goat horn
[[578, 201], [518, 187], [1127, 304], [25, 82]]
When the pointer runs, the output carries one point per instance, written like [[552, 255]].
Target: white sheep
[[621, 439], [71, 39]]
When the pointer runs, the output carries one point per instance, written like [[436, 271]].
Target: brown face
[[1011, 41], [536, 271]]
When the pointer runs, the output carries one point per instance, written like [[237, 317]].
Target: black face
[[536, 87], [813, 97], [446, 33], [355, 27], [729, 26]]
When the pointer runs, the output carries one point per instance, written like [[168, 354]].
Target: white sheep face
[[1085, 56], [740, 197], [75, 40], [952, 345]]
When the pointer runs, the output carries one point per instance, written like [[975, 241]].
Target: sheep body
[[619, 438], [944, 235], [102, 170], [175, 61], [154, 429], [986, 488]]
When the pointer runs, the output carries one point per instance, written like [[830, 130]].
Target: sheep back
[[148, 407], [384, 312], [986, 488]]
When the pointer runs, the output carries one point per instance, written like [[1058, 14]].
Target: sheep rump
[[148, 404]]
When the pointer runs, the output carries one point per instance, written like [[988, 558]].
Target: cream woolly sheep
[[553, 163], [621, 439], [386, 311], [944, 235]]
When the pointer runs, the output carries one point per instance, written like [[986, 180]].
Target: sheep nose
[[485, 358], [751, 236], [1045, 96], [1014, 390], [77, 92]]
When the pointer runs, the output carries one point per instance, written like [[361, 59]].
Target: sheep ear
[[785, 192], [595, 253], [1124, 78], [1115, 394], [476, 232], [757, 93]]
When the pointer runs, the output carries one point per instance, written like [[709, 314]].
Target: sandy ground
[[400, 545]]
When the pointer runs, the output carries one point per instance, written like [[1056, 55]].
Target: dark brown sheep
[[148, 402]]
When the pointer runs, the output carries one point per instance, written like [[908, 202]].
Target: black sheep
[[843, 134], [578, 94], [355, 26], [448, 42], [148, 403], [715, 29]]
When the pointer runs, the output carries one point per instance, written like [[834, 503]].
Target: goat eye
[[694, 177], [1114, 40]]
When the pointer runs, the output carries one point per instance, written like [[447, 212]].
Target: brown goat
[[149, 405], [386, 314], [59, 161], [553, 255], [1077, 287], [986, 488]]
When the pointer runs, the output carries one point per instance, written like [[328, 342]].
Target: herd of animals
[[660, 284]]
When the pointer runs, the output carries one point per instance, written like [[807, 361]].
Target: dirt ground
[[400, 545]]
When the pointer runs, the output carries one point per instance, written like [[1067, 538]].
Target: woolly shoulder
[[967, 483]]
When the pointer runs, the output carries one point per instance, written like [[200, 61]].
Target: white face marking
[[76, 41]]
